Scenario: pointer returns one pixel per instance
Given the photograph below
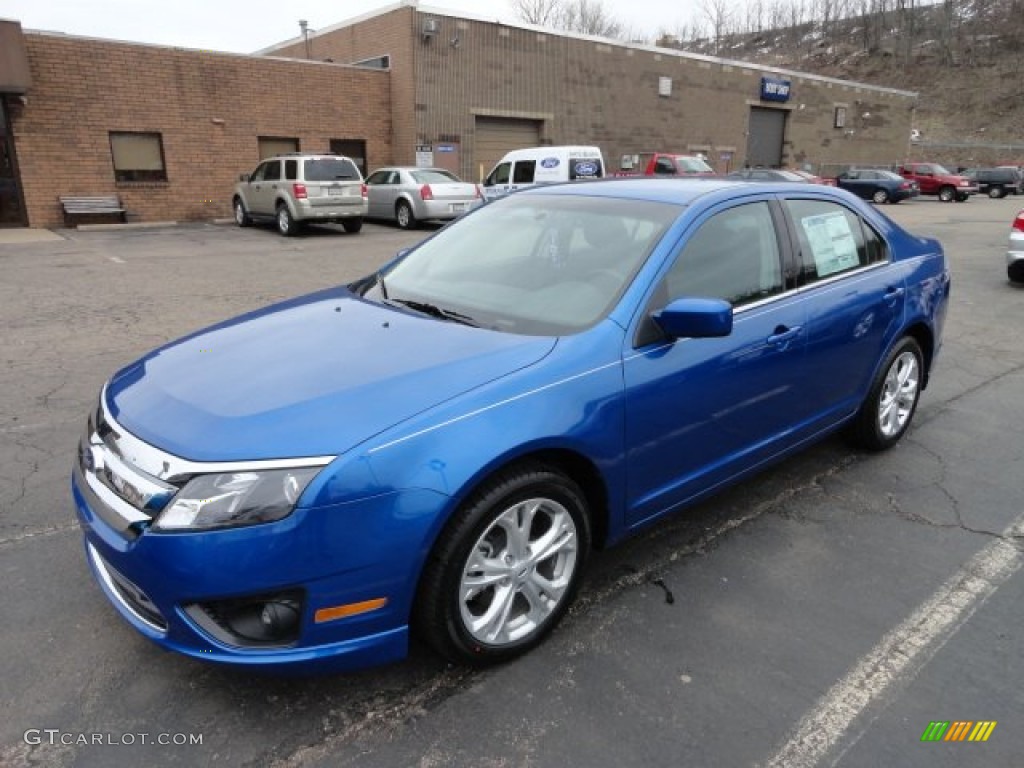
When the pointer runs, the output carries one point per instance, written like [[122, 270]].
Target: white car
[[1015, 253], [409, 195]]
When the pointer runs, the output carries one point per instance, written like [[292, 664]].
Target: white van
[[523, 168]]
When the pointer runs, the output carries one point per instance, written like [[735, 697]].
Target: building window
[[276, 145], [138, 156]]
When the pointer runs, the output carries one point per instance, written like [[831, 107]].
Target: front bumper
[[334, 556]]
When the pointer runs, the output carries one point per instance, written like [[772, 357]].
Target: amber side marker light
[[352, 609]]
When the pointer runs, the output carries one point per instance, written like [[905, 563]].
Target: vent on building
[[430, 28], [664, 86]]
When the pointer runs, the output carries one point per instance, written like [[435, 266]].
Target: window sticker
[[832, 242]]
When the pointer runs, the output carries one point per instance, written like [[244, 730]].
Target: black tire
[[286, 224], [880, 196], [1015, 272], [996, 192], [445, 602], [962, 198], [242, 217], [946, 194], [352, 226], [404, 216], [886, 413]]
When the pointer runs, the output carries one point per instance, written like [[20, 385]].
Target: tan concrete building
[[408, 84]]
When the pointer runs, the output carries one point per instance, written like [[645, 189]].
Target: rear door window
[[585, 168], [832, 239]]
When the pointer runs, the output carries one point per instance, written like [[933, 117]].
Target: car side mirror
[[243, 177], [695, 318]]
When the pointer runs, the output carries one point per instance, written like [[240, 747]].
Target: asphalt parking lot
[[822, 614]]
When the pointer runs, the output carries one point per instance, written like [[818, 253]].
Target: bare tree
[[543, 13], [589, 17], [718, 14]]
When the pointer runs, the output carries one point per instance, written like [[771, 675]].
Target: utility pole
[[304, 26]]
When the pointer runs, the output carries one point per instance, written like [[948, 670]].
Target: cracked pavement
[[780, 584]]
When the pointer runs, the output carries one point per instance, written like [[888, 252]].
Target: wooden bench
[[95, 206]]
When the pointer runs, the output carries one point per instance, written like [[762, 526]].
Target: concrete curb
[[133, 225]]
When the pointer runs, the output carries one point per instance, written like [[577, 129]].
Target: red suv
[[933, 179]]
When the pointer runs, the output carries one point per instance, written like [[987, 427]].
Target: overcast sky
[[244, 26]]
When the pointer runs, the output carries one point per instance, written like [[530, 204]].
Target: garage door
[[767, 130], [496, 136]]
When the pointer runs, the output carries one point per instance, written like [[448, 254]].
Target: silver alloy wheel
[[239, 213], [518, 571], [880, 196], [284, 220], [899, 393], [404, 215]]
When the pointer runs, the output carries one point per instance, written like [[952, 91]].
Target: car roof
[[677, 191]]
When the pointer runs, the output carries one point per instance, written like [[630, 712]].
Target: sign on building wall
[[424, 156], [774, 89]]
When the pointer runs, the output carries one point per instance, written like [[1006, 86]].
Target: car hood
[[314, 376]]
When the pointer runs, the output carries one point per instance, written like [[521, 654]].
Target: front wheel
[[880, 196], [946, 194], [889, 407], [242, 217], [506, 567]]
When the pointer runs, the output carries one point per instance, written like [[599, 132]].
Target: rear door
[[855, 296]]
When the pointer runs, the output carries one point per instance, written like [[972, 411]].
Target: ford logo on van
[[586, 169], [549, 162]]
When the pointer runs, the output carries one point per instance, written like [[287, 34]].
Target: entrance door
[[12, 211], [767, 130]]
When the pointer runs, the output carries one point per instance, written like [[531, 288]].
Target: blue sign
[[586, 168], [549, 162], [774, 89]]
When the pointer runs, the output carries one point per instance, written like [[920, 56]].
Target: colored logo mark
[[958, 730]]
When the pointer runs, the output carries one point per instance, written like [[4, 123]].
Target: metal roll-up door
[[495, 136], [767, 130]]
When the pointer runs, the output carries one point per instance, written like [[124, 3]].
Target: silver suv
[[297, 188]]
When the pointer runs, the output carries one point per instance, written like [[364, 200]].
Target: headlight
[[235, 499]]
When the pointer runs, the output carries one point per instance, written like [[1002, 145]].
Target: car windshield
[[331, 169], [693, 165], [936, 169], [434, 177], [544, 265]]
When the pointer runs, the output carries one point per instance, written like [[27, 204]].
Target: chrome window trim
[[173, 469]]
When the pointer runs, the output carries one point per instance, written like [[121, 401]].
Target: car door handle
[[894, 291], [784, 335]]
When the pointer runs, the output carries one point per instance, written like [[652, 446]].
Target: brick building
[[169, 129]]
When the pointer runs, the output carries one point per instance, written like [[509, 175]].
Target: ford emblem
[[586, 169], [549, 162]]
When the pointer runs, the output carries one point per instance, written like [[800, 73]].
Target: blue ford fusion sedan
[[437, 448]]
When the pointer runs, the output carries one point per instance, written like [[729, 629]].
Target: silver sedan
[[409, 195]]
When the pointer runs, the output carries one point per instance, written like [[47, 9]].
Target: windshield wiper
[[435, 311]]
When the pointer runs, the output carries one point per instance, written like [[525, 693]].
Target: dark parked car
[[767, 174], [996, 182], [877, 186], [437, 447]]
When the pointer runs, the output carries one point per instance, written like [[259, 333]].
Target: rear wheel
[[946, 194], [286, 225], [880, 196], [996, 192], [352, 225], [506, 568], [889, 407], [404, 216]]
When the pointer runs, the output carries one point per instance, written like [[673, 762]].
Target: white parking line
[[116, 259], [900, 655]]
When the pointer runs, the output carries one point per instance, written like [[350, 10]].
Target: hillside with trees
[[964, 57]]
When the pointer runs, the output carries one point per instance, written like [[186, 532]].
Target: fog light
[[264, 620]]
